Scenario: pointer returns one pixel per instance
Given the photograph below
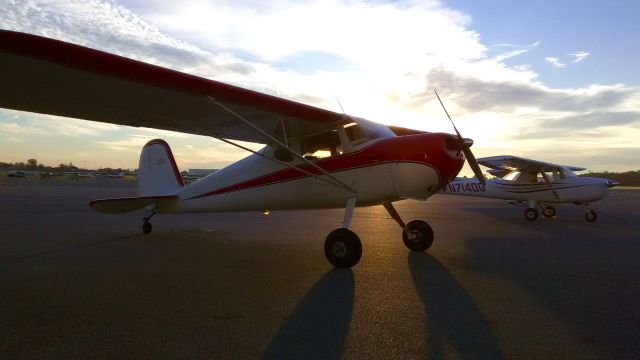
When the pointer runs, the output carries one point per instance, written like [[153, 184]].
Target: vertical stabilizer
[[158, 173]]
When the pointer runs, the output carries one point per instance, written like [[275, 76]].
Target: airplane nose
[[612, 183]]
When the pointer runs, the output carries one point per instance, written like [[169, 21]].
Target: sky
[[556, 81]]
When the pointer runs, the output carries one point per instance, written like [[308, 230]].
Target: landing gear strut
[[417, 235]]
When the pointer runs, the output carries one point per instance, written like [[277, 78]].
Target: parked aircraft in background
[[105, 175], [538, 183], [313, 158], [17, 174], [77, 175]]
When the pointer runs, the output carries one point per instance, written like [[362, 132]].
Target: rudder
[[158, 173]]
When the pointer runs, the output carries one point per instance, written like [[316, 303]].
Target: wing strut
[[269, 137], [284, 131], [548, 181]]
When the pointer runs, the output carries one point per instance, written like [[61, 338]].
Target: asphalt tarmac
[[79, 284]]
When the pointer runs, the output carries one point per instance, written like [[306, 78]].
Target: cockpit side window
[[512, 176], [321, 145], [356, 134]]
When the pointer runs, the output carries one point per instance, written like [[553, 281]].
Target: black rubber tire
[[146, 227], [342, 248], [531, 214], [549, 211], [590, 216], [424, 236]]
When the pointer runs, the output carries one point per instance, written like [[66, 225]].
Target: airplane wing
[[48, 76], [511, 163]]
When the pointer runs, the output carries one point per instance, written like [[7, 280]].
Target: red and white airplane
[[313, 158], [536, 182]]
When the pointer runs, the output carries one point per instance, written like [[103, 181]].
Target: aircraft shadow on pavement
[[318, 326], [453, 321]]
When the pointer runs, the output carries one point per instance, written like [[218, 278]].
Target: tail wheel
[[342, 248], [146, 227], [549, 211], [422, 238], [531, 214], [591, 216]]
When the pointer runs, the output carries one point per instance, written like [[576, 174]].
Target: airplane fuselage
[[414, 166], [581, 190]]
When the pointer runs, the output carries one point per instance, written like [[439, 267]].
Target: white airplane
[[537, 182], [313, 158]]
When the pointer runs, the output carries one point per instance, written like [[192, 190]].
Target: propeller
[[465, 146]]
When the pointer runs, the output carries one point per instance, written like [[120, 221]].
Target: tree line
[[33, 165], [627, 178]]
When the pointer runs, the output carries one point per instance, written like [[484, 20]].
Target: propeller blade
[[446, 112], [465, 145], [474, 165]]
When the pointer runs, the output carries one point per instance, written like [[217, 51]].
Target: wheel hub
[[339, 249], [415, 236]]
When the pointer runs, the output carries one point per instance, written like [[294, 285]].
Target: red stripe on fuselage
[[427, 149]]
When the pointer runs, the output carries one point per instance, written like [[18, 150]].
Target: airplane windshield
[[343, 138], [374, 130], [363, 130]]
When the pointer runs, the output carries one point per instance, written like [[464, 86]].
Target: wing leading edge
[[511, 163], [53, 77]]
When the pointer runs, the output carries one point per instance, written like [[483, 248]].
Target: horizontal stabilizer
[[128, 204]]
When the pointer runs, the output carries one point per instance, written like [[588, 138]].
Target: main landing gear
[[343, 248], [549, 211], [146, 225], [590, 215], [531, 213]]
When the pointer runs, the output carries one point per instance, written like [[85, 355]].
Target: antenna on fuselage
[[339, 104]]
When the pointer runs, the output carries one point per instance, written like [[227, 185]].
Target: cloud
[[278, 29], [475, 94], [381, 59], [590, 125], [513, 50], [578, 56], [132, 143], [49, 125], [555, 62], [105, 25], [575, 58]]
